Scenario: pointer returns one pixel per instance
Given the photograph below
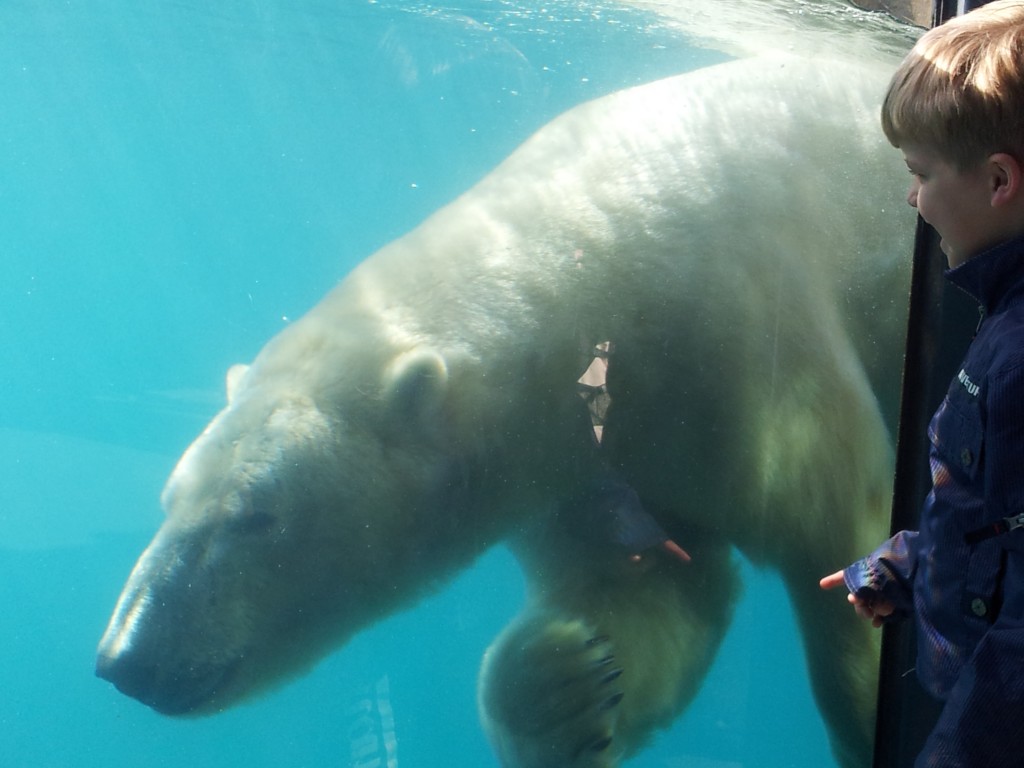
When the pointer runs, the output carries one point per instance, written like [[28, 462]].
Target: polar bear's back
[[657, 206]]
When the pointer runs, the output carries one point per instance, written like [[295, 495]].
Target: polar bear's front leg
[[605, 654]]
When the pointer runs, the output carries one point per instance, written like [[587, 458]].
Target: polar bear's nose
[[168, 690], [131, 675]]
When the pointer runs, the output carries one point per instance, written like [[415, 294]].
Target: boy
[[955, 108]]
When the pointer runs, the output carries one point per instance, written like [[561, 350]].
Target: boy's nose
[[912, 196]]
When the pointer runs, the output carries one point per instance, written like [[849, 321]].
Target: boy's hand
[[875, 609]]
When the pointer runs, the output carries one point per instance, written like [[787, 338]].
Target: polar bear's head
[[311, 505]]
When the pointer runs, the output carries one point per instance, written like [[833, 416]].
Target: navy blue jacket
[[962, 574]]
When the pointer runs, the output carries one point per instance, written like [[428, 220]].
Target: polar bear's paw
[[550, 695]]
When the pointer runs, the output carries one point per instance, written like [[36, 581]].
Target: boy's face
[[957, 203]]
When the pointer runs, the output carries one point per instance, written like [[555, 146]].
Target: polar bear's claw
[[552, 694]]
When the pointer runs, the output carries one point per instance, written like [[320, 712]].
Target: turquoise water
[[177, 180]]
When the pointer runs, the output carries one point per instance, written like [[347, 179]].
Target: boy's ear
[[1005, 174]]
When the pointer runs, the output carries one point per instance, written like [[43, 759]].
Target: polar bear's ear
[[235, 375], [415, 385]]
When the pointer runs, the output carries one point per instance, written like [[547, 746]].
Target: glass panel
[[717, 263]]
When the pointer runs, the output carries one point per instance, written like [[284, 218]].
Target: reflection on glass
[[405, 479]]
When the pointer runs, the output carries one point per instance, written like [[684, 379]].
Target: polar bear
[[723, 253]]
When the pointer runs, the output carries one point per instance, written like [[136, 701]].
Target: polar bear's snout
[[143, 651], [141, 675]]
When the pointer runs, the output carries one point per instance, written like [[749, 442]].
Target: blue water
[[177, 180]]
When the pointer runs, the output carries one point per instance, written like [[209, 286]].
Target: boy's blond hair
[[960, 91]]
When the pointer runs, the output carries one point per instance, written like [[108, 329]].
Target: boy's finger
[[832, 581]]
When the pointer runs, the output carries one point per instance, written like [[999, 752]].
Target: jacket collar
[[994, 277]]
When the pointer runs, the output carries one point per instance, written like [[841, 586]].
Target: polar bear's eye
[[253, 522]]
